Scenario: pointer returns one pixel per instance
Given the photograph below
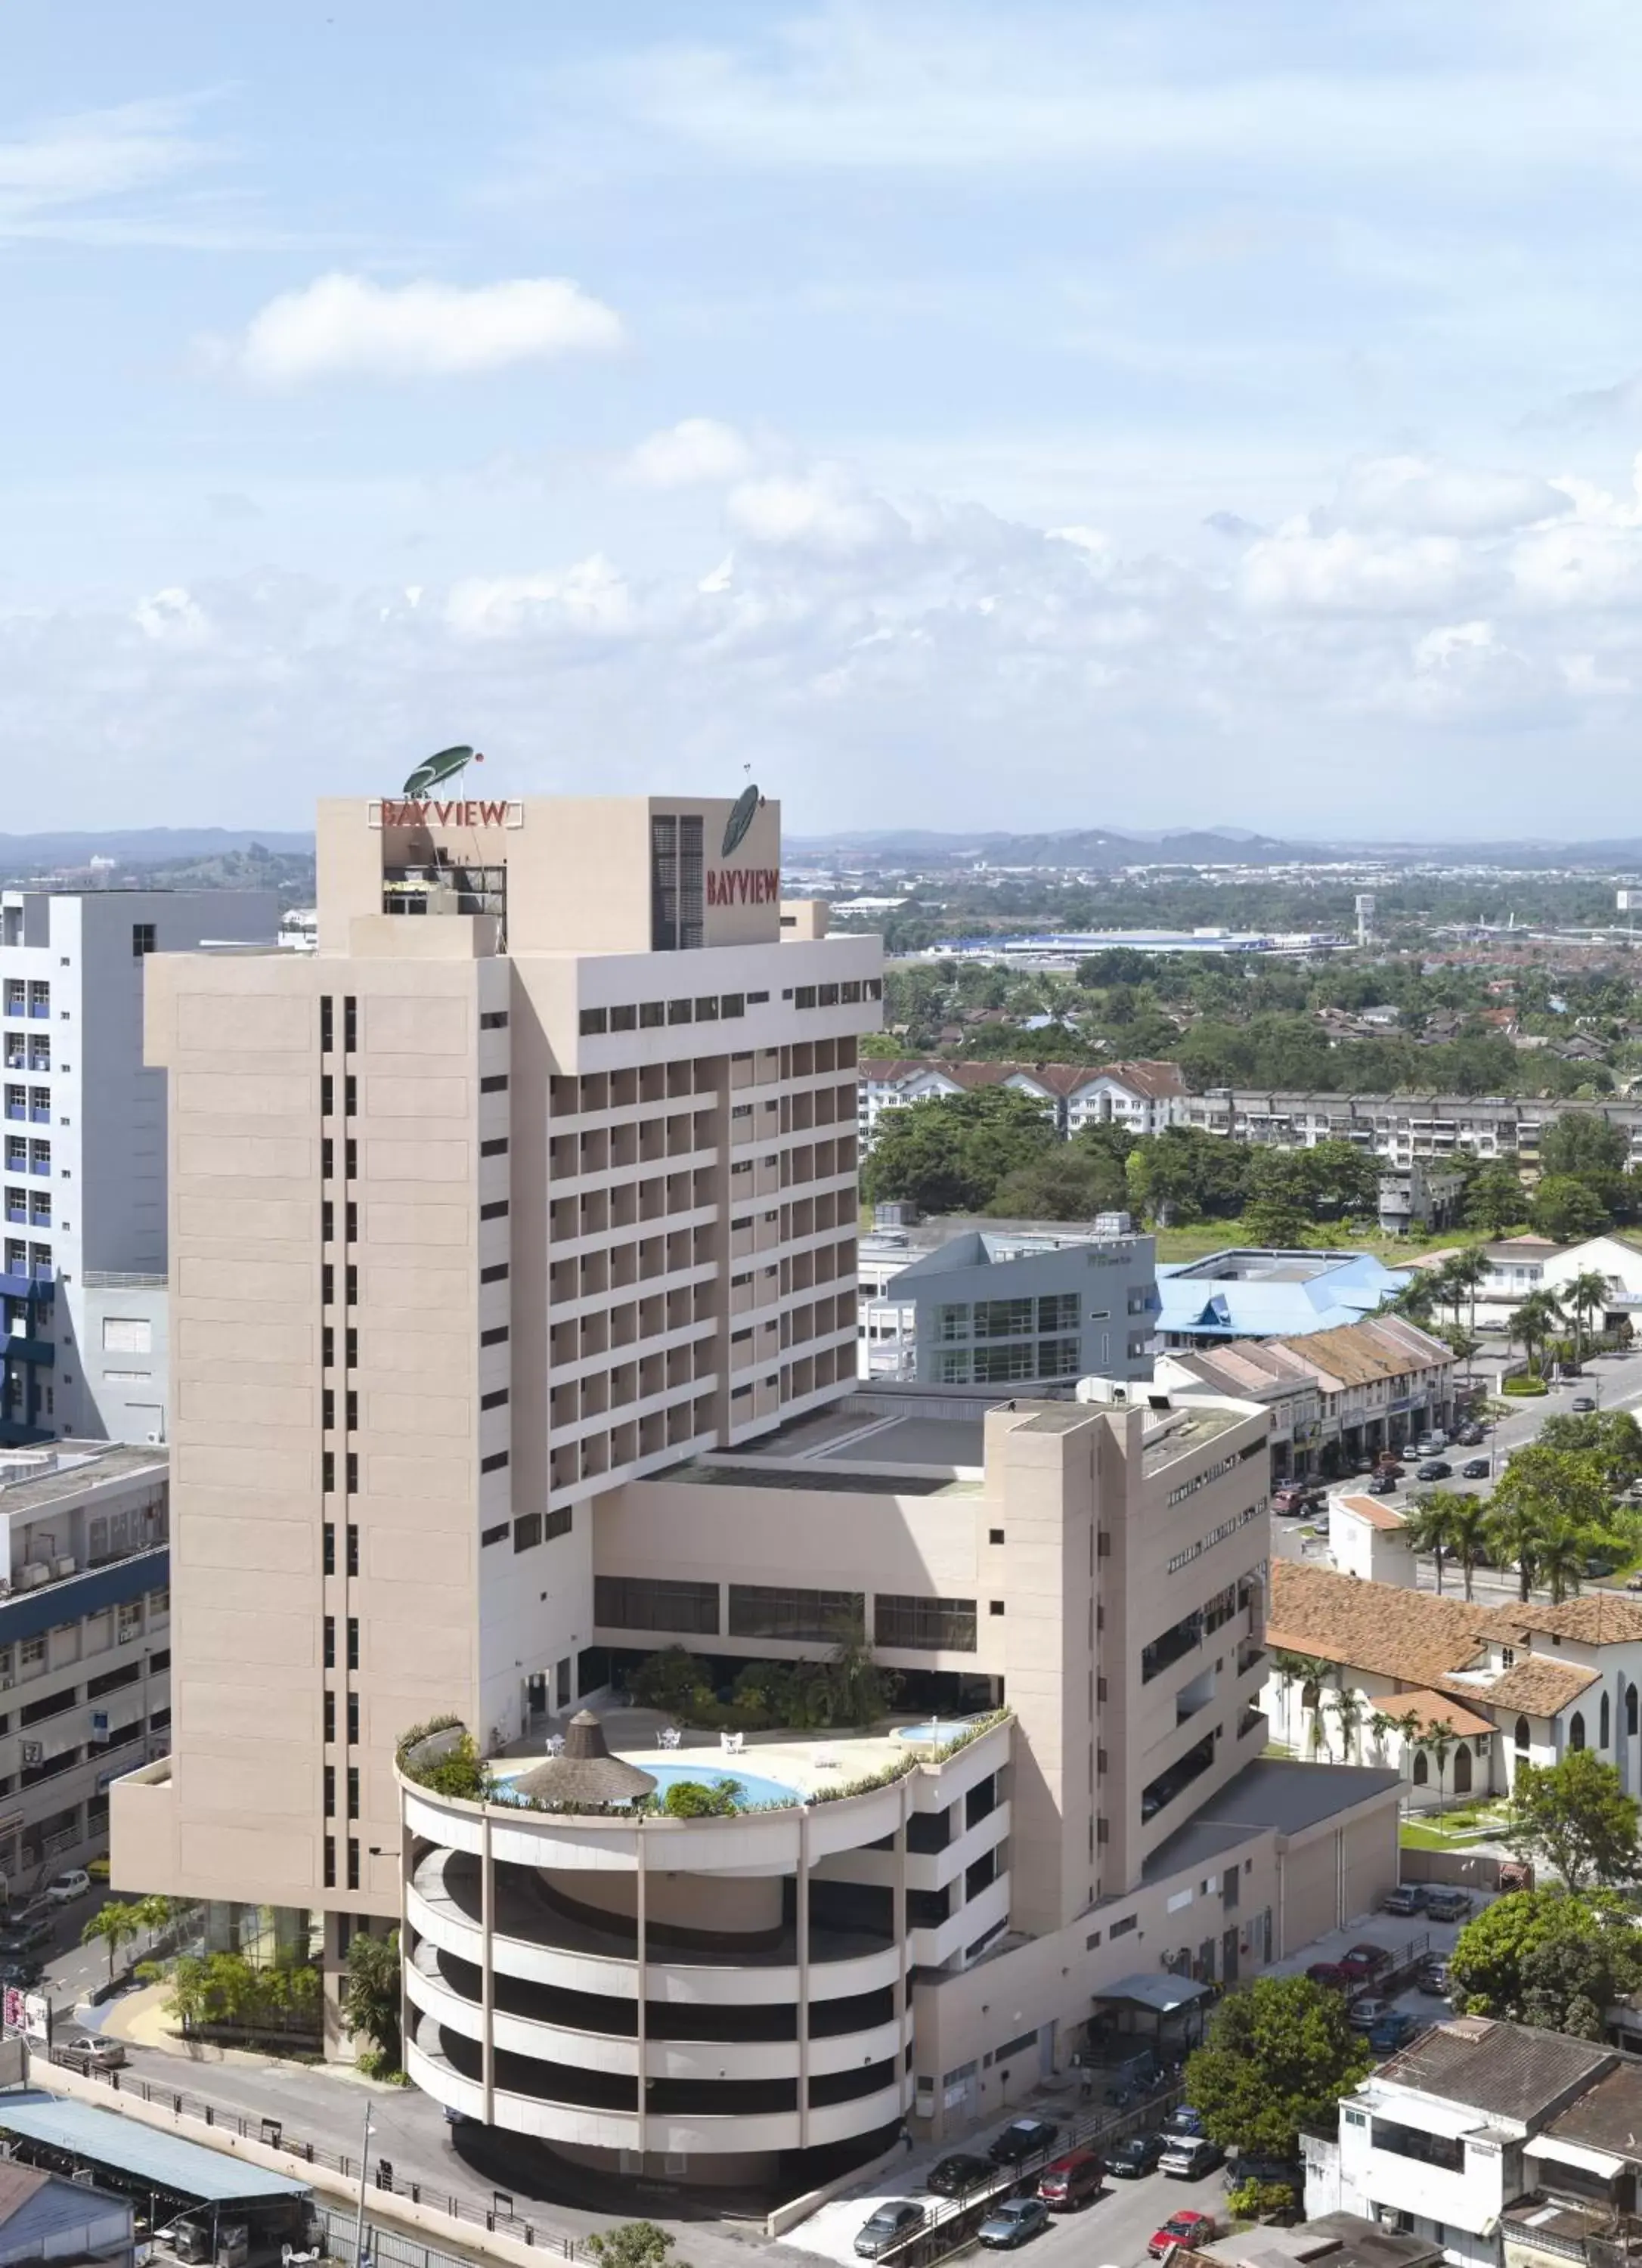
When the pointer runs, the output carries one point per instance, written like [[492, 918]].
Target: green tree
[[1063, 1184], [1560, 1557], [696, 1799], [1548, 1504], [1431, 1527], [1437, 1741], [1467, 1533], [1567, 1209], [1547, 1958], [1587, 1295], [1531, 1324], [633, 2244], [112, 1925], [1583, 1142], [371, 1994], [1311, 1674], [1611, 1437], [1574, 1816], [950, 1154], [1279, 2054], [1496, 1200]]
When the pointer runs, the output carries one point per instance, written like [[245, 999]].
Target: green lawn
[[1453, 1830]]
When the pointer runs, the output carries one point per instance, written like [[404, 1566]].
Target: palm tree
[[1347, 1707], [1431, 1527], [1468, 1532], [1466, 1273], [1586, 1295], [1515, 1531], [1561, 1557], [1438, 1742], [1310, 1672], [1533, 1322], [1406, 1728], [1420, 1297], [116, 1923]]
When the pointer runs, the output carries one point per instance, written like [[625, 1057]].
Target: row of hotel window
[[720, 1008], [759, 1610]]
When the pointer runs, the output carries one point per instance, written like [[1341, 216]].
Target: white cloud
[[821, 512], [590, 599], [1419, 495], [696, 452], [348, 326], [171, 618], [1298, 571], [94, 155]]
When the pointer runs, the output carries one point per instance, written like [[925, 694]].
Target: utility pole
[[365, 2167]]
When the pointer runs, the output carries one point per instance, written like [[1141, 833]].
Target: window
[[1576, 1729], [495, 1084], [593, 1021], [353, 1791], [330, 1790], [327, 1023], [494, 1463], [128, 1335], [496, 1401], [999, 1319], [142, 939], [353, 1549], [330, 1714], [353, 1862], [647, 1602], [329, 1533], [528, 1531], [353, 1719], [557, 1523], [624, 1019], [924, 1625], [651, 1014], [496, 1336], [677, 890], [353, 1471], [780, 1612], [328, 1470], [330, 1641], [493, 1020], [497, 1210], [327, 1407], [493, 1535], [732, 1005], [1524, 1736], [1058, 1312], [327, 1095], [494, 1148], [495, 1275], [679, 1012], [707, 1008], [1604, 1736], [330, 1862], [1122, 1928], [353, 1641], [350, 1095], [994, 1606]]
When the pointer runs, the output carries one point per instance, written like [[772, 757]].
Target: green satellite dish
[[740, 819], [437, 769]]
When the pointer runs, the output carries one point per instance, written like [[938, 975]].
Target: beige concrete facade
[[539, 1175]]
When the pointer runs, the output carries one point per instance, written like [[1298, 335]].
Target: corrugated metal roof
[[167, 2161]]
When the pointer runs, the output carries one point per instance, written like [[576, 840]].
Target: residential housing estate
[[513, 1240]]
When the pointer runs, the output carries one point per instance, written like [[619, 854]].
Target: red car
[[1190, 2228], [1331, 1972], [1364, 1963]]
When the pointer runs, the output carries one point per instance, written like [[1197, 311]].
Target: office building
[[538, 1174], [83, 1350], [84, 1644], [989, 1306]]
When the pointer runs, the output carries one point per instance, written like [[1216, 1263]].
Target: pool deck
[[805, 1762]]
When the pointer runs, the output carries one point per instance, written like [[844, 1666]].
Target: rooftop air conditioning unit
[[35, 1574], [64, 1566]]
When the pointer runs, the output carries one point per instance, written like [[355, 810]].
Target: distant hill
[[1105, 849], [138, 846]]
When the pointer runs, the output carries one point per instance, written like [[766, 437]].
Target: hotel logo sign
[[419, 811]]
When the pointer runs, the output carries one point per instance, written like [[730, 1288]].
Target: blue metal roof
[[1343, 1289], [26, 1614], [165, 2161]]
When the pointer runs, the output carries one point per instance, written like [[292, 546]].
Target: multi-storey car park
[[513, 1239]]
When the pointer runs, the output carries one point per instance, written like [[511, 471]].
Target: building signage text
[[744, 886], [420, 812]]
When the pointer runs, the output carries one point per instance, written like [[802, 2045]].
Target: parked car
[[1435, 1469], [1188, 2228], [1596, 1568], [1469, 1434], [1183, 2120], [957, 2175], [21, 1972], [1583, 1404], [1022, 2139], [1633, 1583], [1404, 1899], [1388, 1461], [1367, 2013], [893, 2221], [1188, 2157], [1428, 1444], [62, 1889], [87, 2053], [1433, 1977], [1394, 2030], [1071, 2181], [1447, 1905], [1329, 1972], [1136, 2157], [1012, 2222], [1290, 1498], [23, 1938], [1382, 1484], [1475, 1469], [1364, 1963]]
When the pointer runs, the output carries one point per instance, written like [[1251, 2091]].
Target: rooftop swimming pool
[[936, 1729], [753, 1787]]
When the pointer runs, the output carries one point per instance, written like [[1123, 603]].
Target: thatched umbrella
[[586, 1772]]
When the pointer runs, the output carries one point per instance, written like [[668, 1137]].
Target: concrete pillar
[[640, 1954], [802, 1909], [487, 1972]]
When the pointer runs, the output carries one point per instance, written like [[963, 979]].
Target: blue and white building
[[83, 1331], [1250, 1293]]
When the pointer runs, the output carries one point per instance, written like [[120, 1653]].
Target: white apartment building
[[1143, 1097], [84, 1644], [83, 1350], [1399, 1127]]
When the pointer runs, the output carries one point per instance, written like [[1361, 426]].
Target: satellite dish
[[746, 810], [437, 769]]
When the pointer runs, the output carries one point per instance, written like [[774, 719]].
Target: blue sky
[[966, 415]]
